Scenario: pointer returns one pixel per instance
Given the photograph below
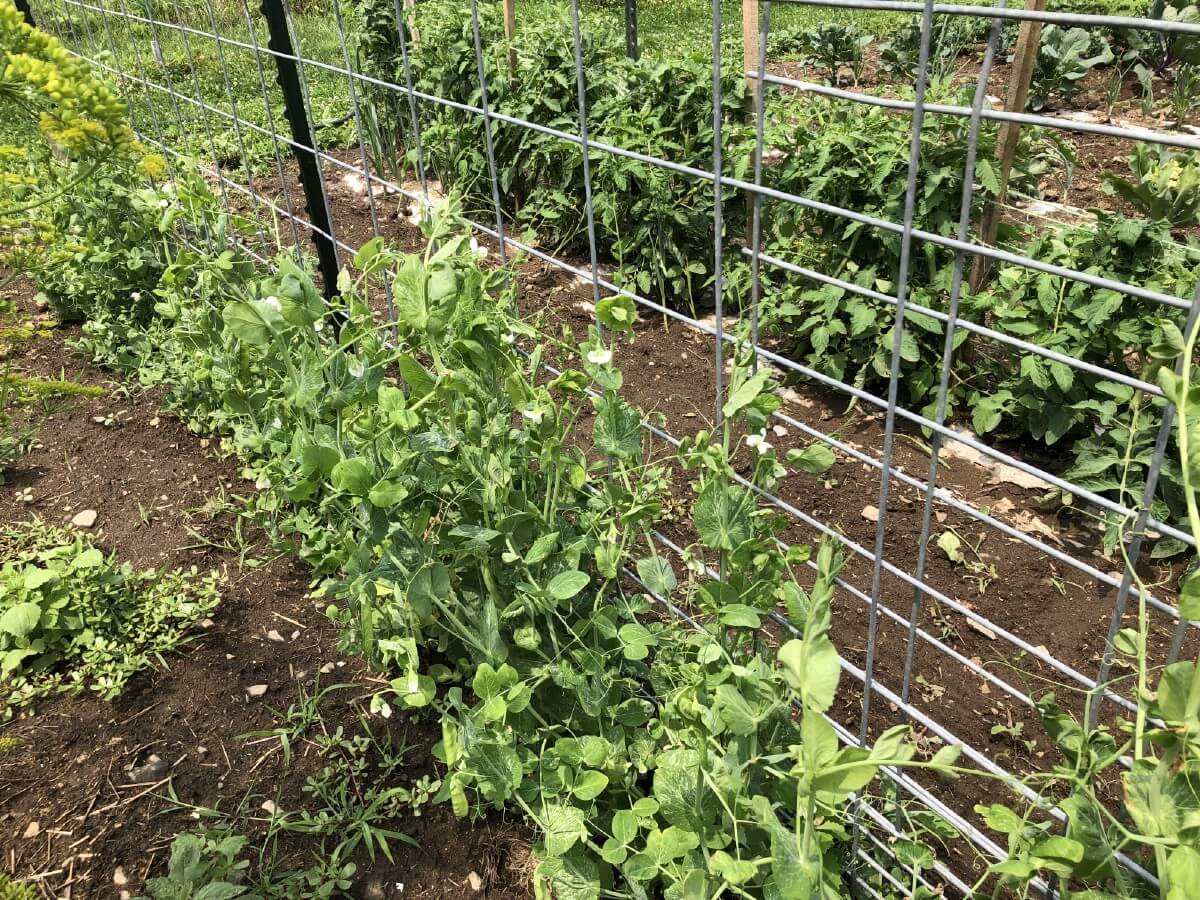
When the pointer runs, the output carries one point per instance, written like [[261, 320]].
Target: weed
[[71, 617]]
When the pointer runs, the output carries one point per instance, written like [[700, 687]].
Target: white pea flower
[[319, 325], [509, 338], [276, 422], [273, 303], [168, 187], [758, 442], [599, 357], [263, 483], [478, 249], [534, 415], [136, 296], [356, 367], [164, 203]]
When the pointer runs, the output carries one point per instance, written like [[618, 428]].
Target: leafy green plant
[[1185, 92], [1165, 185], [951, 36], [1154, 821], [833, 46], [201, 867], [1065, 56], [70, 617], [475, 536], [1110, 434], [16, 890]]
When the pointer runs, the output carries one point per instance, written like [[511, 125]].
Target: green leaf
[[590, 785], [739, 615], [415, 375], [657, 575], [617, 430], [746, 393], [562, 827], [541, 548], [249, 322], [636, 640], [814, 459], [20, 620], [616, 313], [722, 514], [566, 585], [812, 669], [1189, 596], [734, 710], [1183, 873], [387, 493], [625, 825], [354, 476]]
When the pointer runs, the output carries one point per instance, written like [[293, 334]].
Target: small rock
[[871, 513], [779, 430], [274, 635], [373, 890], [153, 769], [475, 881], [32, 830], [256, 690], [154, 422], [327, 668], [120, 879], [206, 623], [268, 806], [85, 518]]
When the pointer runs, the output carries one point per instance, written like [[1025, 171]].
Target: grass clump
[[73, 618]]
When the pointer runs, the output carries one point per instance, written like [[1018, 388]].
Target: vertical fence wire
[[950, 344], [889, 433]]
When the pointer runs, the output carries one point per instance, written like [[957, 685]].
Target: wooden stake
[[1024, 58], [750, 54], [414, 35], [510, 30], [753, 87]]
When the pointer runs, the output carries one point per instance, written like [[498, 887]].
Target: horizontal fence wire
[[158, 95]]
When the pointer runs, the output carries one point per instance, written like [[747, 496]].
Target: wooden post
[[411, 6], [1024, 58], [754, 91], [750, 54], [510, 30]]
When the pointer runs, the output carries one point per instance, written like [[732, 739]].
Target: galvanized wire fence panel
[[279, 168]]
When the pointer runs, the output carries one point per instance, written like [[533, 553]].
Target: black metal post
[[24, 9], [304, 146], [631, 43]]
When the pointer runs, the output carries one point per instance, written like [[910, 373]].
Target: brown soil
[[70, 819]]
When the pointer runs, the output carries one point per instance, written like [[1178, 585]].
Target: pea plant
[[1154, 757], [487, 546]]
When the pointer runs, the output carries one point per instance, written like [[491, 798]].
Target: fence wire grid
[[888, 600]]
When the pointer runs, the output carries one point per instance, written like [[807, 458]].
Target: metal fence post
[[303, 142], [24, 9], [631, 42]]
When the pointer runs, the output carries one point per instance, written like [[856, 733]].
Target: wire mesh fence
[[962, 603]]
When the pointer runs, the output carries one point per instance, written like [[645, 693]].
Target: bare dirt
[[70, 818]]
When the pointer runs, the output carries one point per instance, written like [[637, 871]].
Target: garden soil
[[70, 818]]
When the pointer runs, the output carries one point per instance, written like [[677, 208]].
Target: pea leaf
[[566, 585], [636, 640]]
